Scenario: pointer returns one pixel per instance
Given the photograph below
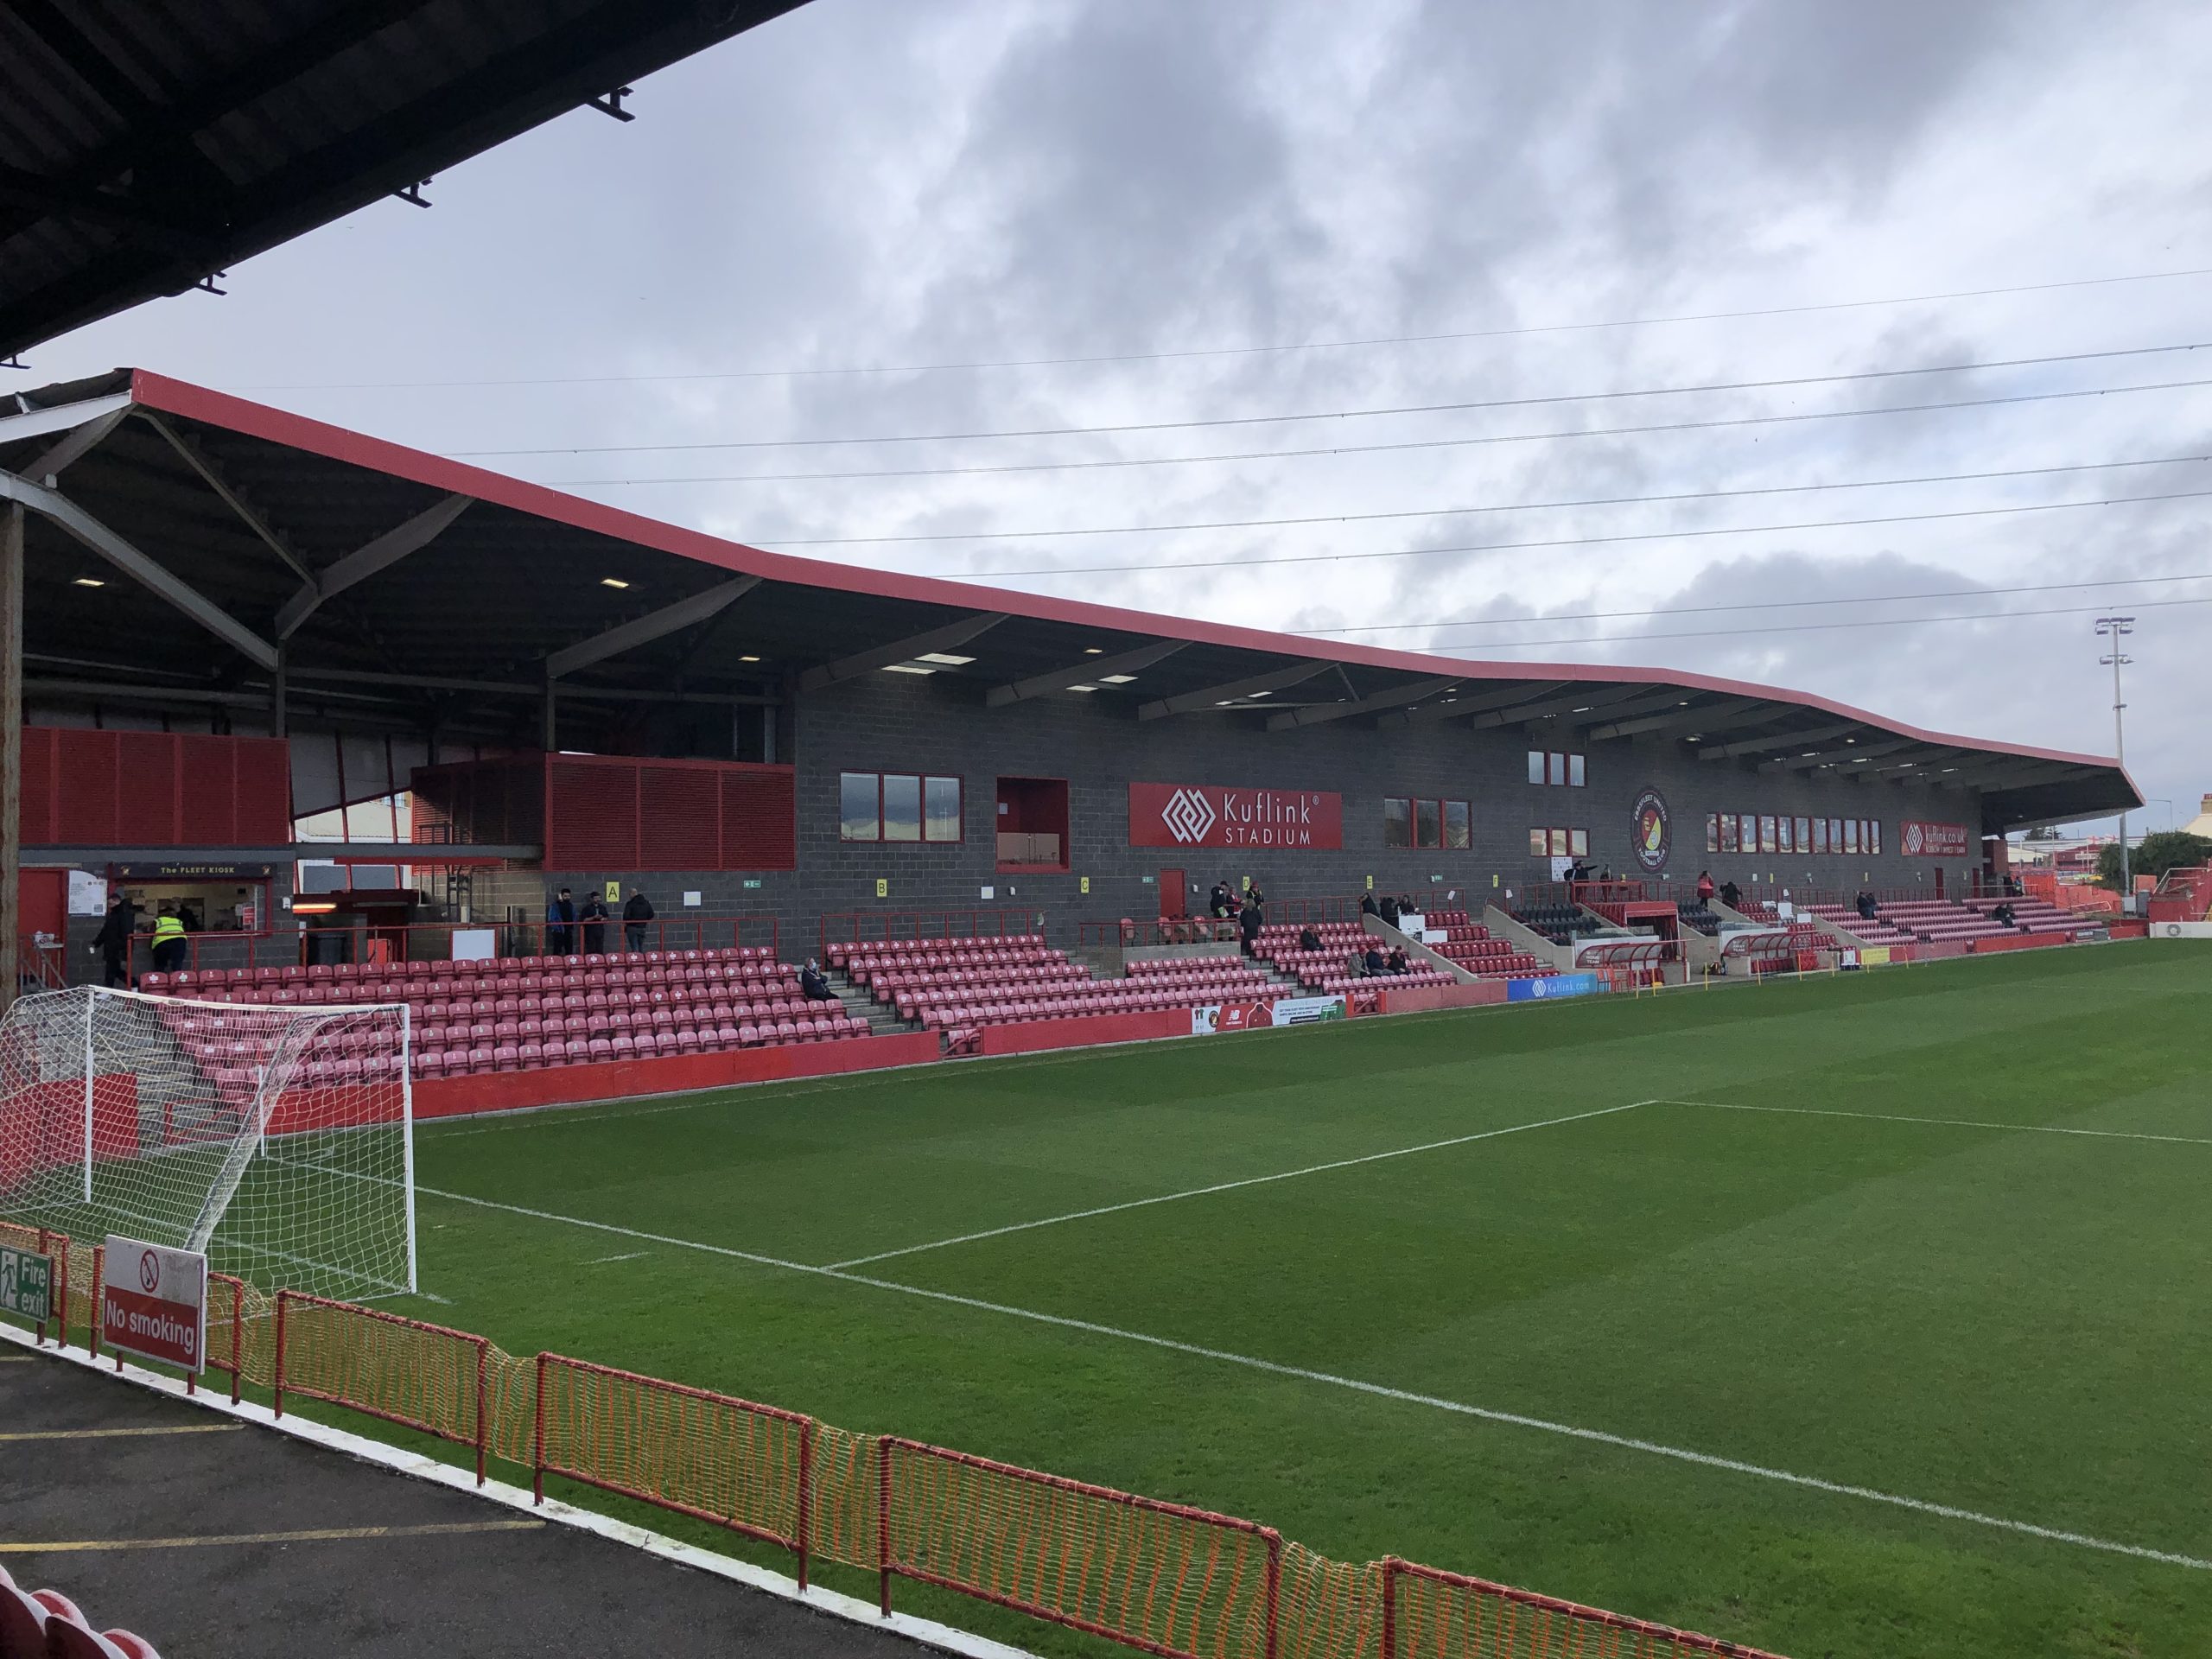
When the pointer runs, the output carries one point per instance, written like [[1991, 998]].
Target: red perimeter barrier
[[1431, 1614], [710, 1456], [1033, 1035], [1415, 998], [422, 1376], [2017, 942], [1170, 1579]]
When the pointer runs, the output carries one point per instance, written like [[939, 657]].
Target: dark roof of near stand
[[518, 576], [145, 146]]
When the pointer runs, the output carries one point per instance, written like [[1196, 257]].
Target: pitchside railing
[[1162, 1577], [433, 941]]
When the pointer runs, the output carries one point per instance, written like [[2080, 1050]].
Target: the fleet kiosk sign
[[154, 1302], [1210, 815]]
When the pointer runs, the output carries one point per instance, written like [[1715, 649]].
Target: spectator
[[112, 944], [1307, 938], [635, 915], [1705, 888], [1866, 906], [816, 984], [1367, 903], [1730, 894], [1248, 923], [1252, 892], [170, 945], [1375, 964], [2003, 915], [1221, 902], [594, 917], [561, 926], [1398, 962], [1388, 910]]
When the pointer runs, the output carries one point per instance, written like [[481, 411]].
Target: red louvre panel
[[760, 818], [86, 796], [146, 804], [591, 815], [37, 816], [210, 772], [677, 812], [264, 791]]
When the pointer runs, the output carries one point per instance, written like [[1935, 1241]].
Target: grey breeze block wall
[[939, 725]]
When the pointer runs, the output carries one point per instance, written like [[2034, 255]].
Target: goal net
[[279, 1140]]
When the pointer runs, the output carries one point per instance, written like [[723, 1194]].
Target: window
[[1804, 834], [1428, 824], [888, 806], [1578, 842], [1728, 842], [858, 818], [1820, 835], [1559, 843], [1535, 766], [1836, 835], [941, 817], [1539, 844], [1575, 775], [1767, 842], [1555, 768], [1874, 836], [1851, 834], [1458, 827], [1713, 832], [1397, 821], [902, 806], [1788, 837], [1549, 767]]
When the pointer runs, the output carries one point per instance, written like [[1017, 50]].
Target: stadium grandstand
[[731, 761]]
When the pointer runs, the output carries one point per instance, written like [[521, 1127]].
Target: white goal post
[[277, 1139]]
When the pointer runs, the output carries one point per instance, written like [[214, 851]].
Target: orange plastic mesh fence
[[1162, 1577], [1436, 1615], [743, 1466], [423, 1376]]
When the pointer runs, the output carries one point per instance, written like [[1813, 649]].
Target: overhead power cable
[[1575, 541], [1760, 605], [1449, 512], [1401, 445], [1186, 353], [1338, 414], [1821, 627]]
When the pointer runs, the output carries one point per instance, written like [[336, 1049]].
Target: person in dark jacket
[[1389, 909], [1376, 964], [1308, 939], [816, 984], [635, 915], [594, 917], [1730, 894], [1398, 962], [561, 926], [1221, 902], [1248, 923], [112, 944], [1367, 906]]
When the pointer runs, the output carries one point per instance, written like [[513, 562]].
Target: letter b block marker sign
[[154, 1302]]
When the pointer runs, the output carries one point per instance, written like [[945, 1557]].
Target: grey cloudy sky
[[872, 184]]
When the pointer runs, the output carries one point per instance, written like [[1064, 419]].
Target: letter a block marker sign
[[154, 1302]]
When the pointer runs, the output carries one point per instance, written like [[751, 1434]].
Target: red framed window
[[1729, 844], [1397, 821], [898, 806], [1459, 826]]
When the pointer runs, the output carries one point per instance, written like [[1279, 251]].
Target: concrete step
[[882, 1020]]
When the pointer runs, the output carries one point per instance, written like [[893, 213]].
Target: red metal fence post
[[238, 1336], [283, 1298], [483, 1417], [38, 1338], [805, 1498], [1390, 1608], [883, 1523], [1275, 1589], [93, 1324], [537, 1437]]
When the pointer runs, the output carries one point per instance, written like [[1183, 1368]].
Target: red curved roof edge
[[241, 415]]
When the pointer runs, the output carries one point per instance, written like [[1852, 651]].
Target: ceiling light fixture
[[612, 581], [1082, 687], [1094, 650], [90, 582], [748, 659], [944, 659], [908, 668], [1115, 679]]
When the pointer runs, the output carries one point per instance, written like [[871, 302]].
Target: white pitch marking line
[[1945, 1122], [631, 1256], [1513, 1419], [1230, 1186]]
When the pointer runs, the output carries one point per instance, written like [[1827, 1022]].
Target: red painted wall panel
[[85, 791], [760, 818], [679, 816]]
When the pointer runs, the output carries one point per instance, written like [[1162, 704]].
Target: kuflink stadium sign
[[1550, 990], [1211, 815]]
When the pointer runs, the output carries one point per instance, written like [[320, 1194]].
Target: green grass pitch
[[1976, 1314]]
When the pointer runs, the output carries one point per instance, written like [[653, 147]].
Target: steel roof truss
[[1082, 673], [644, 630], [366, 561], [950, 636], [1212, 696]]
